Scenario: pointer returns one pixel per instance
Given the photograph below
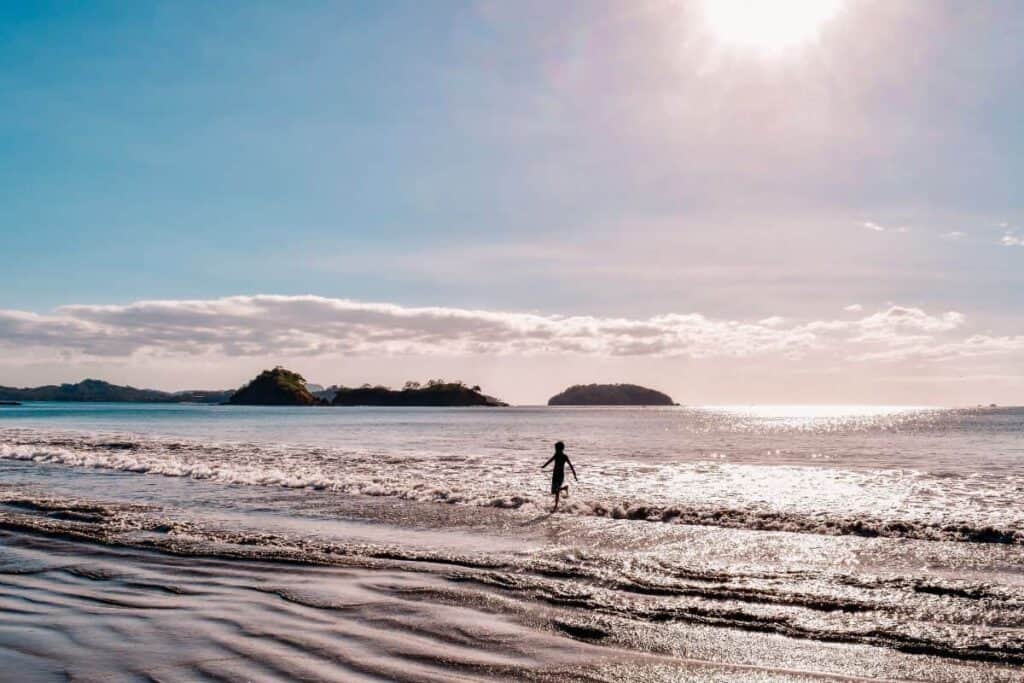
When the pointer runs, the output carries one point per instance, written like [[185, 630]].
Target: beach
[[764, 544], [595, 341]]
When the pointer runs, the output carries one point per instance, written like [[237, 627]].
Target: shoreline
[[115, 547], [260, 619]]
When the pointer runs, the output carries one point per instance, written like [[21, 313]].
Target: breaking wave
[[443, 479]]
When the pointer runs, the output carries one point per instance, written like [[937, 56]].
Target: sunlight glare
[[768, 25]]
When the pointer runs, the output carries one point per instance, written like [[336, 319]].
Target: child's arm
[[572, 468], [548, 462]]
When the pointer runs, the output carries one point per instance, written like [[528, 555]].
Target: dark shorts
[[556, 482]]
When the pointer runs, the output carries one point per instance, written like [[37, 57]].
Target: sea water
[[897, 529]]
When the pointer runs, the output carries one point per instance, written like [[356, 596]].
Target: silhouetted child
[[558, 474]]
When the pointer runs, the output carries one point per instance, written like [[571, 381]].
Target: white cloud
[[309, 325], [305, 326], [1011, 239], [954, 235], [854, 308], [871, 225], [901, 318]]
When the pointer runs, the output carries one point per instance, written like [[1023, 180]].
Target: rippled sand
[[250, 597]]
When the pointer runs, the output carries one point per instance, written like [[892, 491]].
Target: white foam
[[781, 497]]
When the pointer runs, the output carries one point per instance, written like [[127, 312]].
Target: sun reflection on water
[[817, 411], [816, 417]]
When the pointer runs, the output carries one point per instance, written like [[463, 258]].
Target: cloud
[[954, 235], [898, 318], [871, 225], [303, 326], [854, 308], [1012, 239], [310, 325]]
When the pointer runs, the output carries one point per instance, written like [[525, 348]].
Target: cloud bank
[[303, 326]]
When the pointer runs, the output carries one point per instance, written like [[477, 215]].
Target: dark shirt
[[560, 460]]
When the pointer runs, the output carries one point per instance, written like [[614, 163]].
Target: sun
[[768, 25]]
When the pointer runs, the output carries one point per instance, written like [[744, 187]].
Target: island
[[435, 393], [96, 390], [277, 387], [610, 395]]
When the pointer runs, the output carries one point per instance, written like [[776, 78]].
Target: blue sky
[[613, 160]]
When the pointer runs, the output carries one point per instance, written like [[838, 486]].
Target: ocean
[[761, 543]]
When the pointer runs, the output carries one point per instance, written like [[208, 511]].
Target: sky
[[523, 195]]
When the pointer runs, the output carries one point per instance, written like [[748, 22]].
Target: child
[[558, 475]]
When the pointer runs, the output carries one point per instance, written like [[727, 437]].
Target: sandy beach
[[85, 611]]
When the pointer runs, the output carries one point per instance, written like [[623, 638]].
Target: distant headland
[[610, 395], [95, 390]]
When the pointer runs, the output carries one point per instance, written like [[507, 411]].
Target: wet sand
[[75, 609]]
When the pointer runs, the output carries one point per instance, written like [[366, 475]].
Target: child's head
[[559, 447]]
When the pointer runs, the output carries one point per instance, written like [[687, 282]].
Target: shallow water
[[866, 542]]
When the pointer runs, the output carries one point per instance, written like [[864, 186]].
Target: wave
[[758, 520], [255, 465]]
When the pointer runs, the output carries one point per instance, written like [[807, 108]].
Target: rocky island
[[277, 387], [435, 393], [610, 395]]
